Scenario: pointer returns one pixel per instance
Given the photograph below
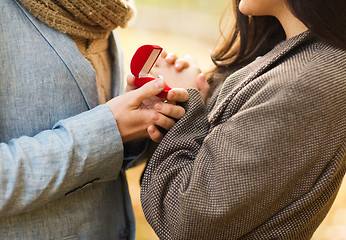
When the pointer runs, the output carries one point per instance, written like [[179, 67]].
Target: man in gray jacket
[[62, 179]]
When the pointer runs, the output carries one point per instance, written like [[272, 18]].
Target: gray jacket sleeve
[[36, 170], [268, 168]]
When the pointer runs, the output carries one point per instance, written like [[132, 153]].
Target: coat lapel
[[65, 47], [238, 80]]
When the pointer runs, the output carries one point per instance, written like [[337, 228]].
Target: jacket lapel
[[65, 47], [238, 80]]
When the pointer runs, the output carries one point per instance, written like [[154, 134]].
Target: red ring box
[[142, 62]]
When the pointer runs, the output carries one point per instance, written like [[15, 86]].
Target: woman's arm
[[270, 159]]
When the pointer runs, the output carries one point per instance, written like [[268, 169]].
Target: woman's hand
[[137, 112], [178, 73], [181, 72]]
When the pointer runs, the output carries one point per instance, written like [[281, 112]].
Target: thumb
[[148, 90], [200, 81], [203, 86]]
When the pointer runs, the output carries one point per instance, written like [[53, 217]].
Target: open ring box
[[142, 62]]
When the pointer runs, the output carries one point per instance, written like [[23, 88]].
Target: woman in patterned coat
[[264, 159]]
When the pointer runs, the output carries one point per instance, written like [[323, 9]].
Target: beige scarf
[[90, 19]]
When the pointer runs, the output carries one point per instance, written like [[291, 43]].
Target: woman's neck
[[291, 25]]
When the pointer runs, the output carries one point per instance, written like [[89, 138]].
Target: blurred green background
[[192, 27]]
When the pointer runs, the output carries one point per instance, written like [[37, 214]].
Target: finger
[[170, 110], [148, 90], [181, 64], [154, 133], [130, 83], [178, 95], [160, 61], [205, 93], [171, 58], [150, 102], [162, 120], [170, 101], [203, 86], [190, 59], [164, 54]]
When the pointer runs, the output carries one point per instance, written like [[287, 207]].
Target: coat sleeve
[[36, 170], [265, 164]]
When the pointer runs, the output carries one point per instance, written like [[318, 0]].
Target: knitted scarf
[[90, 19]]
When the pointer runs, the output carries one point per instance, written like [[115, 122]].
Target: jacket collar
[[248, 73], [67, 50]]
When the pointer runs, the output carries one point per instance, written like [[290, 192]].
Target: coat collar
[[247, 74], [67, 50]]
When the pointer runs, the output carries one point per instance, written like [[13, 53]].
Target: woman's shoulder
[[319, 73], [324, 61], [313, 63], [325, 53]]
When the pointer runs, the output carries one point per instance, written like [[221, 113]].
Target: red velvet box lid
[[144, 59]]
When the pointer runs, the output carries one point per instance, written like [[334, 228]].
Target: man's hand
[[139, 111]]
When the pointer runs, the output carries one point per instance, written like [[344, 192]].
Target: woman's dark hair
[[253, 36], [325, 19]]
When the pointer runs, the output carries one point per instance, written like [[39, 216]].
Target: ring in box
[[142, 62]]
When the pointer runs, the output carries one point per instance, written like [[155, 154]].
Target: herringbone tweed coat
[[265, 160]]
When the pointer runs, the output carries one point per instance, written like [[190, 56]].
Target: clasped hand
[[138, 112], [181, 72]]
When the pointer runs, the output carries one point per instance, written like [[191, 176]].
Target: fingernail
[[158, 106], [155, 117], [159, 83], [178, 65], [151, 129], [171, 94], [202, 77]]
